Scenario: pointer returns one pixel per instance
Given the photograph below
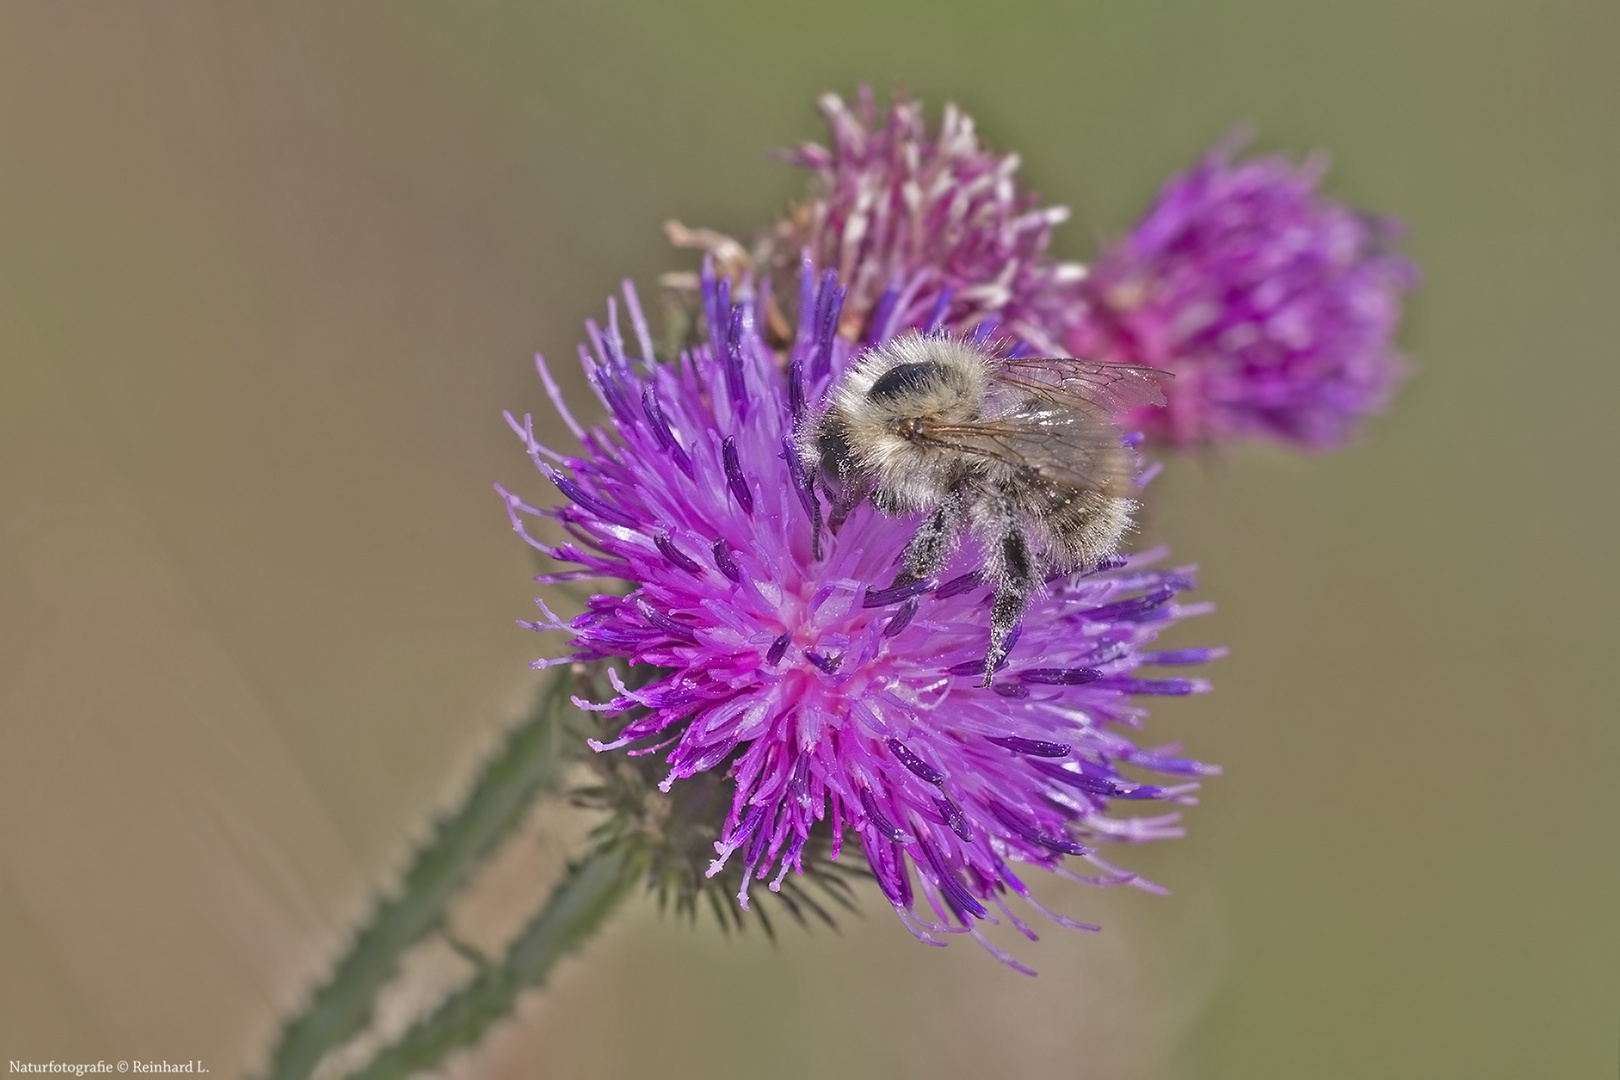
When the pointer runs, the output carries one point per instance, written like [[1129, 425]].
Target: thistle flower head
[[926, 227], [1273, 306], [771, 654]]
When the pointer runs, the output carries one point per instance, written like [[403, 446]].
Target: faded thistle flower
[[1274, 307], [922, 227], [749, 651]]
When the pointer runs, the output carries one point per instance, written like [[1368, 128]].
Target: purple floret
[[783, 659], [1274, 307]]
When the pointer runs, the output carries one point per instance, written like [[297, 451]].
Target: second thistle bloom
[[833, 701], [1274, 307], [926, 226]]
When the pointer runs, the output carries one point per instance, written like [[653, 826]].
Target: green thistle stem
[[531, 760], [577, 906]]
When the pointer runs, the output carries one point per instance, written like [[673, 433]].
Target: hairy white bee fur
[[910, 476]]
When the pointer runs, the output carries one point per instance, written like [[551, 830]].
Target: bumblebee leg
[[850, 491], [841, 477], [925, 555], [1015, 579], [815, 516]]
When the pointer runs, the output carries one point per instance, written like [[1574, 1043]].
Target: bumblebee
[[1024, 454]]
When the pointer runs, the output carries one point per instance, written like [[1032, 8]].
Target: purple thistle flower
[[1273, 306], [772, 652], [926, 228]]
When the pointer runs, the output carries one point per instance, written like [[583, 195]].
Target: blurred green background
[[268, 274]]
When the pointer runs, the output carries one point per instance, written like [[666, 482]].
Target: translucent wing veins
[[1114, 388]]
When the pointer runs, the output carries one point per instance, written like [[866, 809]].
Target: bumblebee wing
[[1073, 446], [1114, 388]]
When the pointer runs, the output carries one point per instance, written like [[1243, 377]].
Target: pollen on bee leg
[[1003, 632]]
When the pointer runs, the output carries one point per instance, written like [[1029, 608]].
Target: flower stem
[[577, 906], [531, 760]]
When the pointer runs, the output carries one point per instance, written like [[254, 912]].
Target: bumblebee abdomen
[[1081, 527]]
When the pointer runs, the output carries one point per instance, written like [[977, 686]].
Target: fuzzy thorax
[[869, 428]]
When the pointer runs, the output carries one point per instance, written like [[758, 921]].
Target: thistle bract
[[1274, 307], [784, 661]]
